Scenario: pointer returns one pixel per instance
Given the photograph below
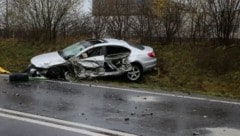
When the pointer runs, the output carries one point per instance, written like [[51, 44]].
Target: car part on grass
[[3, 71]]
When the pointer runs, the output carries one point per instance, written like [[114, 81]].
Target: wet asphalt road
[[133, 112], [11, 127]]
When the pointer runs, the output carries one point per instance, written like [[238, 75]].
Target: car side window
[[116, 49], [93, 52]]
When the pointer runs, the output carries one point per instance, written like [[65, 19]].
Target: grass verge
[[184, 68]]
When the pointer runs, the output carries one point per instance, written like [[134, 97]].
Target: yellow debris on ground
[[3, 71]]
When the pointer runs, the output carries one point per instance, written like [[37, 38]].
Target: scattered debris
[[119, 99], [119, 111], [133, 113], [196, 133], [127, 119], [147, 114], [146, 109]]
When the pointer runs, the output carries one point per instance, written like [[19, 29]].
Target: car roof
[[105, 41], [115, 41]]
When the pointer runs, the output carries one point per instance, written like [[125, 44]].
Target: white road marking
[[171, 95], [152, 93], [60, 124], [76, 130]]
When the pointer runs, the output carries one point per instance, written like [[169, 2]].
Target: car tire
[[136, 74], [17, 77]]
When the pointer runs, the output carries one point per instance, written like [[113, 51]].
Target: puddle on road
[[224, 131], [143, 99]]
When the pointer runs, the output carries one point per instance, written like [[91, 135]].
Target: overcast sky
[[87, 4]]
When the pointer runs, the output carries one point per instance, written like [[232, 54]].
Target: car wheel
[[135, 74]]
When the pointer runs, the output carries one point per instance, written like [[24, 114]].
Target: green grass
[[203, 70], [184, 68], [16, 55]]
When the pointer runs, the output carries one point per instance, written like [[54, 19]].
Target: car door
[[114, 57], [93, 54]]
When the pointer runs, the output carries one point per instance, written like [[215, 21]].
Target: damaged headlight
[[34, 71]]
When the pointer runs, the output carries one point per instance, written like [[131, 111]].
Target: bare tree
[[145, 24], [43, 17], [101, 16], [225, 17], [4, 19], [1, 17], [119, 21], [171, 14], [76, 25], [198, 24]]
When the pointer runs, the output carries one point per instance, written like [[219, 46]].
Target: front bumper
[[34, 71]]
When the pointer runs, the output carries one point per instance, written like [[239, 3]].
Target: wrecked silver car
[[94, 58]]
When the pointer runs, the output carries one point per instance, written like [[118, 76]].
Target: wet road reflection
[[222, 131]]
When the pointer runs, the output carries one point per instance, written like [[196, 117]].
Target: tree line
[[157, 20]]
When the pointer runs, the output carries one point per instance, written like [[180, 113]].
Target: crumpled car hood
[[47, 60]]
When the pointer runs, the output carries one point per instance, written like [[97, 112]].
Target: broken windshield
[[74, 49]]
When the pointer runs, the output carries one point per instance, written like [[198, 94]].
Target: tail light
[[151, 54]]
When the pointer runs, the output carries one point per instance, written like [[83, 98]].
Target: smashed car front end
[[41, 64]]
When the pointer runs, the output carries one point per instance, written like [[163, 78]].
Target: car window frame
[[102, 52], [116, 46]]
